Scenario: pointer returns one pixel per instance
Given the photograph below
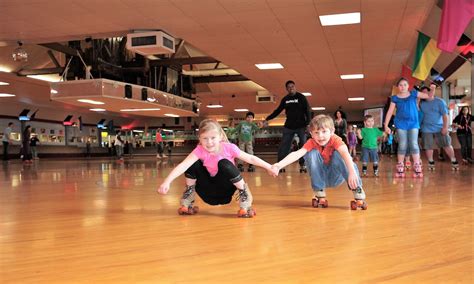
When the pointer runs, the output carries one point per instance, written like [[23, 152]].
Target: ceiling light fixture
[[171, 115], [5, 95], [340, 19], [92, 102], [356, 99], [307, 94], [241, 110], [214, 106], [4, 83], [140, 109], [267, 66], [318, 108], [97, 109], [20, 54], [352, 76]]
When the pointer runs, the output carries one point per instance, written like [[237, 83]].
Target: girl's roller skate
[[418, 170], [241, 167], [431, 165], [187, 201], [359, 199], [244, 196], [407, 165], [400, 170], [251, 168], [455, 165], [303, 169], [319, 199]]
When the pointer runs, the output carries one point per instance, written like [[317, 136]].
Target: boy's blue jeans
[[328, 175]]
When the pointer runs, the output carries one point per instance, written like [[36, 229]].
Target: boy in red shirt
[[328, 161]]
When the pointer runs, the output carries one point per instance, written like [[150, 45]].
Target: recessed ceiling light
[[5, 69], [140, 109], [355, 99], [4, 95], [53, 91], [214, 106], [340, 19], [92, 102], [171, 115], [352, 76], [318, 108], [307, 94], [4, 83], [266, 66], [241, 109], [47, 78], [97, 109]]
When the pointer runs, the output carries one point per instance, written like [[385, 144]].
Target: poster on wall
[[377, 113]]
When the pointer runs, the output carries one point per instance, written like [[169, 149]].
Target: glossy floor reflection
[[69, 221]]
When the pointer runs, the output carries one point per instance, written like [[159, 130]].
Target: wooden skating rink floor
[[95, 221]]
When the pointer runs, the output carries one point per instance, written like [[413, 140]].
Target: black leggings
[[218, 189], [466, 145]]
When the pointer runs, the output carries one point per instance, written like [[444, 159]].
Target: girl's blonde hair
[[210, 124], [321, 121]]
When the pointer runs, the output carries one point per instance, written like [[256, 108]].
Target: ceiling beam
[[53, 58], [44, 71], [183, 61], [61, 48], [219, 79]]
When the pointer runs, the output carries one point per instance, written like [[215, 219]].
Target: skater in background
[[329, 163], [407, 124], [370, 137], [231, 133], [245, 131], [25, 145], [210, 172], [434, 127], [340, 125], [119, 143], [462, 123], [159, 145], [34, 141], [298, 115], [352, 142]]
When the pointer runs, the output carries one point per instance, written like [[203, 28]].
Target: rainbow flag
[[426, 55]]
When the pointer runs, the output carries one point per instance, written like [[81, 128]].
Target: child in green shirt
[[369, 136], [245, 131]]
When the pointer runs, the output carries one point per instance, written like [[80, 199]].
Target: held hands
[[274, 170], [388, 130], [164, 188]]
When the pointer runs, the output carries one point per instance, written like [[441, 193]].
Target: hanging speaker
[[144, 94], [128, 91]]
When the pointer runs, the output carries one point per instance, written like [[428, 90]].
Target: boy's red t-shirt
[[326, 150]]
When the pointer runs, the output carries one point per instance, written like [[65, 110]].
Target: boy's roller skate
[[431, 165], [364, 170], [418, 170], [455, 165], [359, 199], [303, 169], [407, 165], [251, 168], [400, 170], [319, 199], [241, 167], [244, 196], [187, 201]]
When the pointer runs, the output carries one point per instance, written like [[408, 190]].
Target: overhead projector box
[[150, 43]]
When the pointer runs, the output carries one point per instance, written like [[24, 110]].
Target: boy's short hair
[[251, 114], [321, 121], [367, 117], [424, 88], [289, 82]]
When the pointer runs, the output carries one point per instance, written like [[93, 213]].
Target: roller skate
[[469, 161], [359, 199], [190, 210], [431, 165], [244, 196], [407, 165], [241, 167], [246, 213], [455, 166], [187, 201], [303, 169], [464, 162], [251, 169], [418, 170], [364, 170], [319, 199], [376, 173], [400, 170], [120, 161]]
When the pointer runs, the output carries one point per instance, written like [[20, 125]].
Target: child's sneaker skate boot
[[418, 170], [364, 170], [187, 201], [431, 165], [241, 167], [251, 168], [400, 170], [454, 165], [376, 170], [319, 199], [407, 165], [359, 199], [303, 169], [244, 196]]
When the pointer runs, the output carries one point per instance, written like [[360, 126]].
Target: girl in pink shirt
[[210, 172]]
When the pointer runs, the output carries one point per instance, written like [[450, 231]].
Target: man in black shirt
[[298, 116]]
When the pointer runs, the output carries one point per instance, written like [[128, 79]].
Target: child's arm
[[254, 160], [388, 117], [352, 179], [292, 157], [176, 172], [426, 96], [359, 134]]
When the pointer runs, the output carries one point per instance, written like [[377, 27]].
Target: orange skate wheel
[[315, 202], [353, 205]]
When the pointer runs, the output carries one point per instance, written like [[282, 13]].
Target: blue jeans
[[330, 175], [408, 139], [369, 153]]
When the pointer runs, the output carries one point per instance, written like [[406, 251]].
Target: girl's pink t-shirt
[[228, 151]]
